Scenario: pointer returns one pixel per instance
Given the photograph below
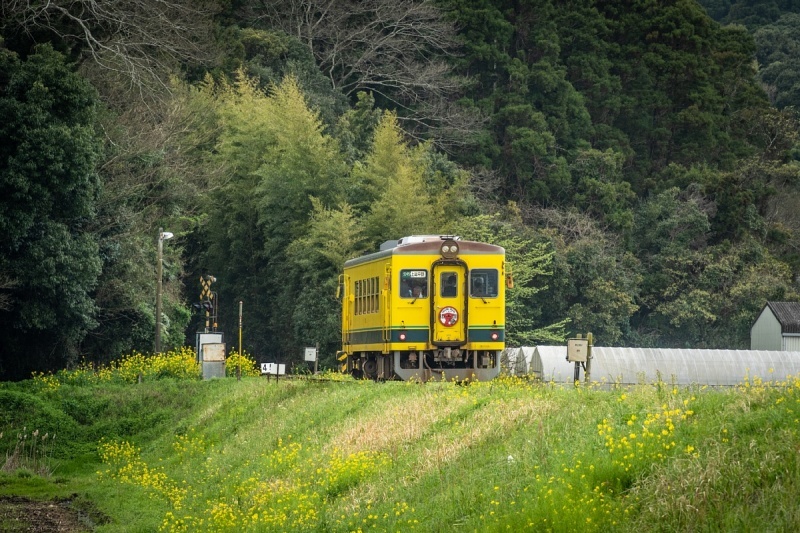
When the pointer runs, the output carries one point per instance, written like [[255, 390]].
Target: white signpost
[[273, 369]]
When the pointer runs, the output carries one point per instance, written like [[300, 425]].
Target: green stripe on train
[[419, 334]]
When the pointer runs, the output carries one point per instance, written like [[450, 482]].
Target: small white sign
[[577, 350], [273, 368], [311, 354]]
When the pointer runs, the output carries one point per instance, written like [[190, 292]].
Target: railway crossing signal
[[207, 301], [205, 283]]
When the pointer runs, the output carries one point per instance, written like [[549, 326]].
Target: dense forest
[[639, 161]]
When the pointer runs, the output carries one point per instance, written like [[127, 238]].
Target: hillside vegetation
[[325, 455], [639, 162]]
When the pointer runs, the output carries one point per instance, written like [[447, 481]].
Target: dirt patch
[[21, 515]]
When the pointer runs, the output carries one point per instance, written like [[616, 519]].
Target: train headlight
[[495, 336], [402, 335], [449, 249]]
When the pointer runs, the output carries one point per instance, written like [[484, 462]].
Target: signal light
[[206, 306]]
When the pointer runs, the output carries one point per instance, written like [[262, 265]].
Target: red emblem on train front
[[448, 316]]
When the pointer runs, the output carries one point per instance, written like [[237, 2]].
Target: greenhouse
[[643, 365]]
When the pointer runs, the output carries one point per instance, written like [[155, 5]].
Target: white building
[[777, 328]]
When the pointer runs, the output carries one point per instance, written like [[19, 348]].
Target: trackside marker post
[[273, 369]]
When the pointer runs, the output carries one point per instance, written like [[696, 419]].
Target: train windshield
[[414, 283], [449, 284]]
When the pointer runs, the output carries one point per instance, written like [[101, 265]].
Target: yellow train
[[425, 307]]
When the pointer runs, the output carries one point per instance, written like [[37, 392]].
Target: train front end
[[439, 315]]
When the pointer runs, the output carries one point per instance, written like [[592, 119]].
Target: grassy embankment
[[178, 454]]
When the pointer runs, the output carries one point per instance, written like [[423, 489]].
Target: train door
[[449, 320], [347, 314], [386, 309]]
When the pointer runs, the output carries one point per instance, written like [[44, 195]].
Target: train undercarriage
[[444, 363]]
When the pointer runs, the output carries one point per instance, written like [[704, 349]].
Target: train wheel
[[370, 368]]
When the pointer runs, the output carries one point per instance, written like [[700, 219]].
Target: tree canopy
[[639, 161]]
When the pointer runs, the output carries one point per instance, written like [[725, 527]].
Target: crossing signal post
[[210, 342]]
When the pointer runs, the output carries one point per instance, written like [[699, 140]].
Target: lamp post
[[162, 236]]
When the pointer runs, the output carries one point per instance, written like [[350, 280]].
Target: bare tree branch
[[570, 224], [485, 183], [155, 164], [139, 41], [394, 48]]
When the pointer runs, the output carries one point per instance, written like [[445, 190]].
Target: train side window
[[375, 295], [483, 283], [367, 296], [413, 283]]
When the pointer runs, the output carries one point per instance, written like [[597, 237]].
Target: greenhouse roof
[[678, 366]]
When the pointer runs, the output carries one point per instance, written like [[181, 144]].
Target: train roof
[[426, 245]]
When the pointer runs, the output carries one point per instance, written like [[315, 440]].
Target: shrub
[[245, 363]]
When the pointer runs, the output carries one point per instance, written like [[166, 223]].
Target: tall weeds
[[31, 452]]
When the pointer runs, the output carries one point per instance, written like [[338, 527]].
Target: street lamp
[[162, 236]]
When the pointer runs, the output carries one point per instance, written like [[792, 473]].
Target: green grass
[[252, 455]]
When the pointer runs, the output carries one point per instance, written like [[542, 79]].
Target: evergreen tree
[[48, 153], [779, 59], [278, 159], [393, 189], [595, 281], [333, 237], [530, 258]]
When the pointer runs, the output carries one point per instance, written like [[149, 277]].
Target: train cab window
[[483, 283], [449, 284], [414, 283]]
